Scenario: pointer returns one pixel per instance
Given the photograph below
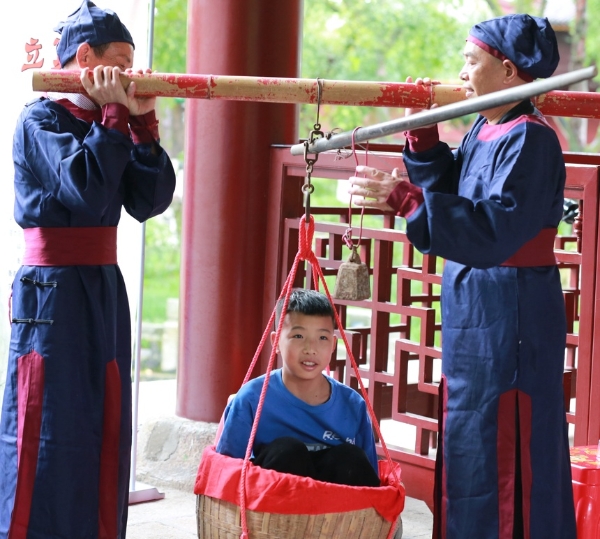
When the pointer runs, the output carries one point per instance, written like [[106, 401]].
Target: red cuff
[[422, 139], [406, 198], [144, 128], [116, 116]]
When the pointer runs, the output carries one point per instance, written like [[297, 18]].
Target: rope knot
[[305, 238]]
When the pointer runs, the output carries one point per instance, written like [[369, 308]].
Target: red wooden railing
[[398, 347]]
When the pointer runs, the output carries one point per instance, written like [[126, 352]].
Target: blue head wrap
[[89, 24], [528, 42]]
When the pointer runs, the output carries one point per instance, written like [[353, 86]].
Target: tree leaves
[[382, 40]]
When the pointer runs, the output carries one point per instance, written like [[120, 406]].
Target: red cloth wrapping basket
[[274, 492]]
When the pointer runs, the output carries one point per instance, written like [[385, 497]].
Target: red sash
[[538, 251], [65, 246]]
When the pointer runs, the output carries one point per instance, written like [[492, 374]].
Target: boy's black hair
[[308, 302]]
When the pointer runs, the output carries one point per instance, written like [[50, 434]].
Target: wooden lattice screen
[[395, 336]]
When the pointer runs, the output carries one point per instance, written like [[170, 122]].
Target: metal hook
[[316, 133], [317, 126]]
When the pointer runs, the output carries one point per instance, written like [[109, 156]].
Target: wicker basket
[[218, 519]]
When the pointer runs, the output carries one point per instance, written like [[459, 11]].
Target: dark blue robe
[[66, 416], [503, 455]]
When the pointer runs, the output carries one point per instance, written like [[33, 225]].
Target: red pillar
[[225, 194]]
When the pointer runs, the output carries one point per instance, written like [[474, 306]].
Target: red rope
[[306, 253], [347, 237]]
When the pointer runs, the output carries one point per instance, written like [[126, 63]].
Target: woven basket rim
[[221, 519]]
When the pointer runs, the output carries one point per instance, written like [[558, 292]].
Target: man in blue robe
[[491, 209], [65, 432]]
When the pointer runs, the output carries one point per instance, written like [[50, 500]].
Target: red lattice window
[[395, 336]]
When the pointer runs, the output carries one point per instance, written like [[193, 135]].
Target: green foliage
[[170, 30], [592, 37], [382, 40], [161, 268], [169, 56]]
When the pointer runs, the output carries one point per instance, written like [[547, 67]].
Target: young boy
[[310, 425]]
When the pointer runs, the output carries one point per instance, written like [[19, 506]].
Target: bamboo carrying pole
[[334, 92], [454, 110]]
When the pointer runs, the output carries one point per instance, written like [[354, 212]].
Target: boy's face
[[306, 344]]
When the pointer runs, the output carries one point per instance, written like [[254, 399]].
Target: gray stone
[[169, 451]]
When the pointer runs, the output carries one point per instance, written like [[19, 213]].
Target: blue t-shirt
[[343, 418]]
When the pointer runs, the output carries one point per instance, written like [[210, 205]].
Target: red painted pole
[[225, 194], [295, 90]]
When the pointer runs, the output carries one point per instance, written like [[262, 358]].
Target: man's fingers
[[364, 183], [131, 89], [383, 206], [397, 174], [364, 193], [85, 78], [369, 171]]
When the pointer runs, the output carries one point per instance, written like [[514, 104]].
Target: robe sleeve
[[524, 180], [83, 167], [149, 181]]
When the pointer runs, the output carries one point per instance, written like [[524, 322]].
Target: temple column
[[226, 181]]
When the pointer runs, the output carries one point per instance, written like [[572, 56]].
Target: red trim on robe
[[109, 457], [525, 414], [506, 455], [440, 496], [406, 199], [506, 448], [144, 128], [30, 388], [423, 139], [66, 246], [538, 251], [116, 116], [444, 474], [489, 132], [87, 115]]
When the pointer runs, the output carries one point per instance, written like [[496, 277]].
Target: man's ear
[[510, 70], [83, 55]]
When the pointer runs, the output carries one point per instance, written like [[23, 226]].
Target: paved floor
[[174, 517]]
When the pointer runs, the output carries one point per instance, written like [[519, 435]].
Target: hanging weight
[[353, 281]]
